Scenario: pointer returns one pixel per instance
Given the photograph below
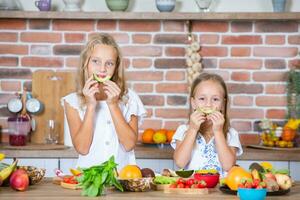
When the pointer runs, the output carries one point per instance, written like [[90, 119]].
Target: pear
[[284, 181]]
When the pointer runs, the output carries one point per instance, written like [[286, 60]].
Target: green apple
[[100, 80]]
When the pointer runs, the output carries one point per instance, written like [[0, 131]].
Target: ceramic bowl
[[165, 5], [35, 174], [252, 194], [117, 5], [211, 179], [137, 184]]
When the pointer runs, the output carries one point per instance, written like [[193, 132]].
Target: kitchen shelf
[[151, 15]]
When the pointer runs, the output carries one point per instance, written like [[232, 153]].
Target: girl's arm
[[127, 132], [183, 151], [81, 131]]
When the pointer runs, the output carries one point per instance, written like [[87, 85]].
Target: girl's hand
[[196, 119], [218, 120], [112, 91], [89, 90]]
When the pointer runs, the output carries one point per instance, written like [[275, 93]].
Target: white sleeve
[[179, 135], [234, 141], [135, 107]]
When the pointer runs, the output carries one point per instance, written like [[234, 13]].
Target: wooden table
[[48, 191]]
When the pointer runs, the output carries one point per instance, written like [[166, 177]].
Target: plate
[[226, 190], [274, 148]]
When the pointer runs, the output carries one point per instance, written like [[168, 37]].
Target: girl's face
[[102, 61], [209, 94]]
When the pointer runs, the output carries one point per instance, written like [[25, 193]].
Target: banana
[[4, 174], [2, 156]]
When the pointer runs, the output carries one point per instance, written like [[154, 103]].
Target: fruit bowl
[[35, 174], [252, 194], [137, 184], [210, 179]]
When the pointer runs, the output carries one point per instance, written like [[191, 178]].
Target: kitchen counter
[[45, 191], [153, 152]]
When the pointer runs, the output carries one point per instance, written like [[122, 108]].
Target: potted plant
[[279, 5], [165, 5], [293, 94], [117, 5]]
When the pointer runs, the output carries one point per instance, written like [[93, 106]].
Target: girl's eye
[[216, 99], [109, 64], [97, 62], [201, 99]]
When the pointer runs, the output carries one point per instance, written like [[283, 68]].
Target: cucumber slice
[[205, 110], [100, 80]]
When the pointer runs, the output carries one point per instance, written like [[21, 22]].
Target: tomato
[[174, 185], [70, 180], [180, 185], [180, 180], [190, 181]]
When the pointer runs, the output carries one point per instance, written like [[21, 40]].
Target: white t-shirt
[[204, 155], [105, 140]]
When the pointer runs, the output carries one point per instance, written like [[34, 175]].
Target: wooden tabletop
[[151, 152], [48, 191]]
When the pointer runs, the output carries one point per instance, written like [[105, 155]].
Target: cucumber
[[100, 80]]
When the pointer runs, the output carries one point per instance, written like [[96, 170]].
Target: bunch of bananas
[[6, 170]]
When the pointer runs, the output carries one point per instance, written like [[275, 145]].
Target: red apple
[[19, 180]]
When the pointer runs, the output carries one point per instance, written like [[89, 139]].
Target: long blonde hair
[[218, 79], [82, 74]]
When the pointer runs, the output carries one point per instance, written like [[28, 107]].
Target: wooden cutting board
[[49, 87]]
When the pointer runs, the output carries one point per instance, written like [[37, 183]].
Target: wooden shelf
[[151, 15]]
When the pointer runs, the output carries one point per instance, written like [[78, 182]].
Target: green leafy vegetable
[[94, 179], [164, 180]]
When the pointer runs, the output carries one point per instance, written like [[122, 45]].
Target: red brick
[[275, 89], [224, 74], [10, 85], [240, 88], [171, 88], [4, 111], [270, 101], [170, 39], [213, 51], [241, 27], [147, 51], [152, 100], [143, 87], [151, 123], [139, 25], [175, 75], [241, 39], [28, 85], [141, 38], [106, 25], [241, 64], [75, 37], [15, 73], [208, 39], [72, 62], [241, 125], [33, 37], [15, 24], [276, 114], [172, 113], [270, 76], [276, 26], [275, 51], [294, 64], [149, 112], [141, 63], [13, 49], [172, 125], [246, 113], [125, 63], [173, 26], [294, 39], [209, 63], [275, 39], [176, 100], [275, 64], [67, 49], [144, 76], [42, 62], [175, 51], [170, 63], [73, 25], [8, 37], [243, 101], [39, 24], [122, 38], [205, 26], [240, 51], [240, 76], [249, 139], [40, 50], [8, 61]]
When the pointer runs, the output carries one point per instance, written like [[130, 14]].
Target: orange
[[130, 172], [235, 175], [288, 134], [160, 136], [147, 136], [170, 134]]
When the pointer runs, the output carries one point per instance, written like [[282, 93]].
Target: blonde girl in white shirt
[[103, 118], [207, 141]]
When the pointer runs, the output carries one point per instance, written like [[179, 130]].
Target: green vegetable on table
[[94, 179], [164, 180]]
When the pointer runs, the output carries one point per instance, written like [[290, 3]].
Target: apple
[[269, 175], [284, 181], [19, 180]]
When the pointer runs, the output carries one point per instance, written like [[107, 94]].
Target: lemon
[[159, 137], [2, 156], [267, 166], [75, 172]]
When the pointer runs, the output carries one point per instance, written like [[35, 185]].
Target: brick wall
[[253, 58]]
